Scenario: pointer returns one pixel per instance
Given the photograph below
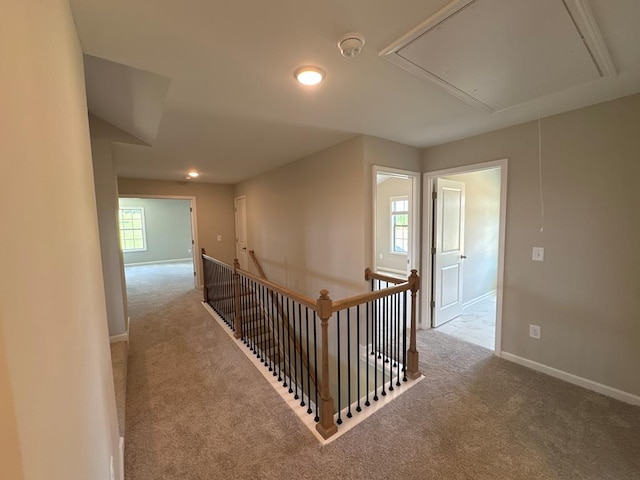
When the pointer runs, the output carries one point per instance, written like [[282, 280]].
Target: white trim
[[574, 379], [586, 24], [427, 222], [307, 420], [479, 298], [121, 450], [173, 260], [197, 259], [122, 337]]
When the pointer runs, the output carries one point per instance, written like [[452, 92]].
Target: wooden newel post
[[237, 320], [326, 426], [205, 290], [413, 371]]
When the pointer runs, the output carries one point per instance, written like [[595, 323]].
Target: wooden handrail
[[256, 263], [369, 297], [370, 274]]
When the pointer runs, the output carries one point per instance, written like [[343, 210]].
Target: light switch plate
[[538, 254]]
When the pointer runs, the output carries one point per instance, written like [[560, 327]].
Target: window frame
[[392, 225], [143, 229]]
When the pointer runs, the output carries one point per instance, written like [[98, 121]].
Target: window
[[133, 237], [399, 225]]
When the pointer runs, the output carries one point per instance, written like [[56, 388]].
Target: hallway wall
[[52, 304], [585, 293]]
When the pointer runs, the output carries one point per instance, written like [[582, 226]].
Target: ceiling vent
[[496, 54]]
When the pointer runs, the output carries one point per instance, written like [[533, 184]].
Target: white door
[[241, 232], [449, 250]]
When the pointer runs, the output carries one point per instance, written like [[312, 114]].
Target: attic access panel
[[496, 54]]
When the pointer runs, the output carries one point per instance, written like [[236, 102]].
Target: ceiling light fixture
[[193, 174], [309, 75]]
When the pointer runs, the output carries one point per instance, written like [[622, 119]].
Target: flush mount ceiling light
[[193, 174], [351, 44], [309, 75]]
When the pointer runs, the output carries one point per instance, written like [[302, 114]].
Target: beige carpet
[[197, 409]]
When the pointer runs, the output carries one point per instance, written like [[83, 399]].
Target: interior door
[[449, 250], [241, 232]]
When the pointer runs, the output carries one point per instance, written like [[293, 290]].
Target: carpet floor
[[198, 409]]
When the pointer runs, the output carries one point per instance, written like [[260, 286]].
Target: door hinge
[[433, 304], [190, 209], [194, 274], [193, 242], [434, 195], [433, 250]]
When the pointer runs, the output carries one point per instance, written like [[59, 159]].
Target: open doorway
[[465, 216], [396, 207], [158, 242]]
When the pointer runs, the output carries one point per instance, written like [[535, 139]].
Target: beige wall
[[214, 210], [106, 203], [482, 229], [52, 306], [585, 294], [305, 221]]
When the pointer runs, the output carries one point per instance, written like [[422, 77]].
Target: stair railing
[[359, 344]]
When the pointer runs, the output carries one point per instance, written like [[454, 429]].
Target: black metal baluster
[[367, 403], [315, 362], [295, 355], [358, 323], [272, 336], [384, 339], [280, 342], [339, 421], [404, 337], [398, 333], [375, 307], [289, 344], [301, 364], [264, 326], [391, 326], [349, 415], [309, 410]]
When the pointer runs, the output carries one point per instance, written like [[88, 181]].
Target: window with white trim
[[133, 237], [400, 225]]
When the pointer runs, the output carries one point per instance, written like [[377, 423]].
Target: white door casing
[[241, 232], [449, 250]]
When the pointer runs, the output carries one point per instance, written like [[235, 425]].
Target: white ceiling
[[232, 109]]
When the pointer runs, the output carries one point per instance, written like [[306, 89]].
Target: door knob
[[463, 257]]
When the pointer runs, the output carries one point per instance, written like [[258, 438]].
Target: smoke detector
[[350, 44]]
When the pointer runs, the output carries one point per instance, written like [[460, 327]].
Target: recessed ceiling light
[[193, 174], [309, 75]]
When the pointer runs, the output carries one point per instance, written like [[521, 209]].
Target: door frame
[[197, 261], [415, 206], [235, 217], [427, 222]]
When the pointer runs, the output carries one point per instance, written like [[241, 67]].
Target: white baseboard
[[122, 337], [121, 449], [574, 379], [479, 299], [174, 260]]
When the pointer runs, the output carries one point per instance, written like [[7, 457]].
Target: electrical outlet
[[219, 238], [534, 331], [538, 254]]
